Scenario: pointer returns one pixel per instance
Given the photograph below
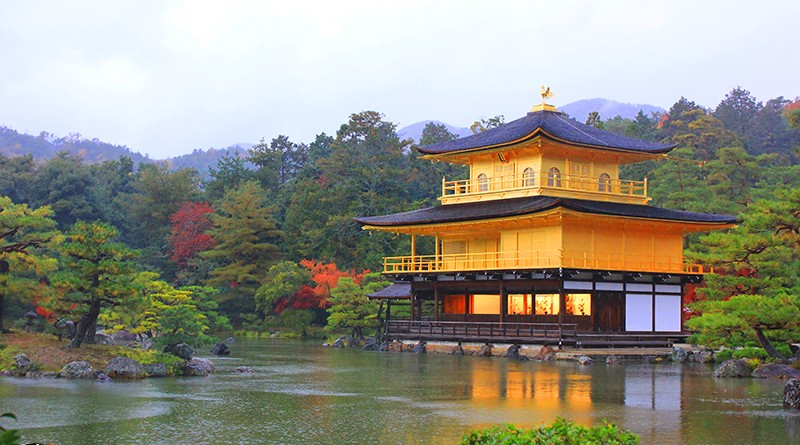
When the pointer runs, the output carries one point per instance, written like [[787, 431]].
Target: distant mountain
[[607, 108], [414, 131], [46, 146], [203, 159]]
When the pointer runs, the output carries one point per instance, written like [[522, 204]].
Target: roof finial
[[546, 94]]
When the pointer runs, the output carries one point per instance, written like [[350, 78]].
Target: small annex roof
[[550, 124], [394, 291], [499, 208]]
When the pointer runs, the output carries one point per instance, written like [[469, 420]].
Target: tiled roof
[[548, 124], [498, 208], [394, 290]]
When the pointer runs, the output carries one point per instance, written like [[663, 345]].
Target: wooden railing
[[539, 259], [544, 181], [482, 331]]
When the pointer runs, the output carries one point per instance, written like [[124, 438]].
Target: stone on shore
[[484, 351], [457, 350], [613, 360], [198, 367], [584, 360], [181, 350], [156, 370], [124, 368], [791, 394], [733, 368], [544, 354], [776, 371], [220, 349], [22, 361], [419, 348], [77, 370]]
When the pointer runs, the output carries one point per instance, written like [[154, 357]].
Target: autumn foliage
[[188, 236], [325, 276]]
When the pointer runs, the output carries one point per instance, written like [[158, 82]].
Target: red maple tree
[[188, 235], [326, 276]]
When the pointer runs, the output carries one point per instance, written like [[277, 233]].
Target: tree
[[282, 281], [792, 114], [593, 120], [64, 185], [188, 236], [231, 171], [737, 111], [487, 124], [247, 238], [756, 296], [96, 272], [22, 231], [350, 308]]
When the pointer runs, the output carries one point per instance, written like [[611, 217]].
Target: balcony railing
[[540, 180], [538, 259]]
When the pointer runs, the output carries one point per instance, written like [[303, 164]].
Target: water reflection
[[303, 393]]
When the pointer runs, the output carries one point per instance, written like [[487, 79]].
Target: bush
[[756, 353], [561, 432], [8, 436], [721, 356]]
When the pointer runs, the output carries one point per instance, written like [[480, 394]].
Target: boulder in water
[[156, 370], [419, 348], [220, 349], [124, 368], [776, 371], [198, 367], [733, 368], [77, 370], [791, 394], [545, 353]]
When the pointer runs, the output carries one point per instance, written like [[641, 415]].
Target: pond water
[[305, 393]]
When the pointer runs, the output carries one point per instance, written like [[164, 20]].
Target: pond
[[305, 393]]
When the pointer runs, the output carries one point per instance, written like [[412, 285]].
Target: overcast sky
[[167, 77]]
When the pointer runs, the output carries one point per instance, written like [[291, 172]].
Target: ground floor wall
[[594, 302]]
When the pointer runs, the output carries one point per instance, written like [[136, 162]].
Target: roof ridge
[[567, 121]]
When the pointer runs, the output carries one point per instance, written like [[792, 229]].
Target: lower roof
[[393, 291], [500, 208]]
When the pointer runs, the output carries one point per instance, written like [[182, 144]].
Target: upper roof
[[499, 208], [550, 124]]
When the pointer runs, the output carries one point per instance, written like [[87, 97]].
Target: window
[[527, 177], [484, 304], [547, 304], [455, 304], [578, 304], [554, 178], [483, 183], [604, 183], [519, 304]]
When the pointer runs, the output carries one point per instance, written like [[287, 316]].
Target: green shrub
[[9, 437], [721, 356], [173, 363], [757, 353], [561, 432]]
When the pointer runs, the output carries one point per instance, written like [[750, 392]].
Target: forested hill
[[46, 146]]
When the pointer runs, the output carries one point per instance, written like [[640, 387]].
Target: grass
[[48, 353]]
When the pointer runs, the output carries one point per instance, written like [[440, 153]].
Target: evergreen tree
[[95, 272], [247, 245]]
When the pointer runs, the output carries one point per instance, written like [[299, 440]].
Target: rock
[[545, 353], [776, 371], [512, 351], [613, 360], [419, 348], [220, 349], [22, 361], [125, 368], [344, 341], [457, 350], [384, 346], [733, 368], [649, 358], [198, 367], [77, 370], [396, 346], [679, 355], [245, 370], [371, 344], [156, 370], [181, 350], [701, 357], [791, 394], [103, 339], [584, 360], [485, 351], [41, 375], [230, 340], [124, 338], [275, 334], [102, 378]]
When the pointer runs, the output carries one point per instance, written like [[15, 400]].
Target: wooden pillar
[[437, 310], [413, 306], [413, 252], [503, 303], [388, 310]]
